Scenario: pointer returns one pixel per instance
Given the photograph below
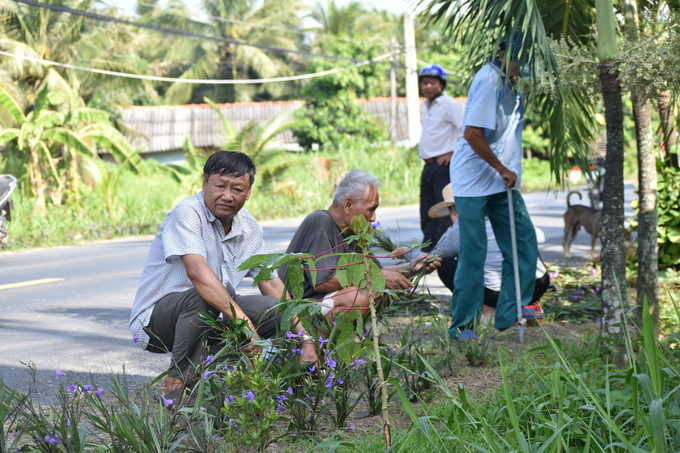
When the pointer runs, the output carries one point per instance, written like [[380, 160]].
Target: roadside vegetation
[[559, 388]]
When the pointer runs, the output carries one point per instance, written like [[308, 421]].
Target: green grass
[[140, 204]]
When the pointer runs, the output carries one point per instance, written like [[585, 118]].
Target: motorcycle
[[7, 185]]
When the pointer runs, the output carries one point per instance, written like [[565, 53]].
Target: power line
[[242, 22], [199, 81], [175, 31]]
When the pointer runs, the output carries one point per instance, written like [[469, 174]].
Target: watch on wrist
[[306, 337]]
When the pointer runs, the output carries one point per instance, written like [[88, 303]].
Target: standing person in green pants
[[486, 161]]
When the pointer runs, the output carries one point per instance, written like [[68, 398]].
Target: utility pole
[[412, 100], [393, 89]]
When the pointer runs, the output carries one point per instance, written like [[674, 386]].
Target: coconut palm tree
[[67, 38], [269, 22]]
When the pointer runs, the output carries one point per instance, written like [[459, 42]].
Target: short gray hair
[[354, 184]]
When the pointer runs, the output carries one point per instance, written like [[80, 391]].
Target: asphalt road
[[68, 307]]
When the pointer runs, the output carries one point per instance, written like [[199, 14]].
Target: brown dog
[[578, 216]]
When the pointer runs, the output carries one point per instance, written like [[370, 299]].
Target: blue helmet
[[433, 70]]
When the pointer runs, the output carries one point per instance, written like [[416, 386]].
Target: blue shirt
[[499, 111]]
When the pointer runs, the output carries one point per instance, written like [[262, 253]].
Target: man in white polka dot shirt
[[191, 270]]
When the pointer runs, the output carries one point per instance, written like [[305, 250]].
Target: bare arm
[[475, 137], [210, 287], [275, 288]]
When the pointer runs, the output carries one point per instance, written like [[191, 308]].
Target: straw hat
[[442, 209]]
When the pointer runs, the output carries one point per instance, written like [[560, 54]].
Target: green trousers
[[468, 292]]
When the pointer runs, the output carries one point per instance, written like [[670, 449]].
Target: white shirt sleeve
[[182, 234], [456, 115]]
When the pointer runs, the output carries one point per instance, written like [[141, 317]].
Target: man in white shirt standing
[[441, 129]]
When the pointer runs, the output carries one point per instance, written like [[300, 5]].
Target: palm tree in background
[[273, 22], [65, 38]]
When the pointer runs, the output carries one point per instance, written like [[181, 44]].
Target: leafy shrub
[[669, 218], [333, 123], [333, 117]]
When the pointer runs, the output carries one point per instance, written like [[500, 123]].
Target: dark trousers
[[468, 294], [177, 325], [432, 181]]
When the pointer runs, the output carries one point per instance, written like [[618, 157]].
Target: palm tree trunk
[[613, 248], [648, 217], [670, 135]]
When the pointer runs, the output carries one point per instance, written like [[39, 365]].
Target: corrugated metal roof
[[166, 127]]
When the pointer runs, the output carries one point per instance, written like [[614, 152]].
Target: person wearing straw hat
[[441, 128], [449, 246], [486, 162]]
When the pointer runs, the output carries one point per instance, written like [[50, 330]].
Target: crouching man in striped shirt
[[191, 270]]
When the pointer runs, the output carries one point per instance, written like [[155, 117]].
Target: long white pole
[[521, 322], [412, 100]]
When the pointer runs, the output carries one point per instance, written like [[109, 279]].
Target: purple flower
[[100, 394], [229, 399], [330, 362], [232, 423], [88, 388], [422, 374], [441, 311], [599, 320], [289, 391], [282, 398], [633, 327], [340, 381], [51, 440], [68, 422], [585, 286], [390, 350], [280, 408], [135, 339], [296, 352], [410, 291], [580, 291], [329, 381], [350, 428], [311, 369], [427, 325], [575, 297], [357, 363], [593, 271], [228, 368], [291, 335], [322, 342], [73, 388], [249, 395], [166, 401], [208, 374], [597, 288], [209, 359], [333, 322], [554, 274], [59, 373]]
